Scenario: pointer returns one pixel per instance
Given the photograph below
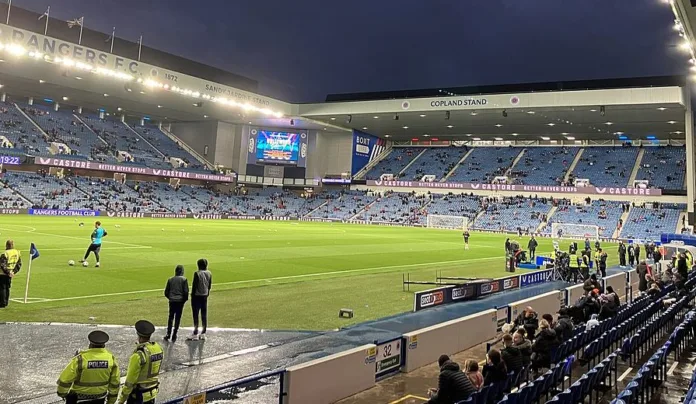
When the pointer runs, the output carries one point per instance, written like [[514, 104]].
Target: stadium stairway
[[636, 167], [413, 160], [457, 165], [369, 166], [143, 138], [624, 217], [542, 225], [571, 169], [183, 144], [515, 161], [36, 125]]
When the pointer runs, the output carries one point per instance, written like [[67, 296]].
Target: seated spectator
[[474, 374], [495, 370], [511, 355], [453, 385], [592, 283], [528, 319], [564, 326], [592, 322], [524, 345], [614, 296], [543, 346], [642, 270], [654, 291], [608, 307]]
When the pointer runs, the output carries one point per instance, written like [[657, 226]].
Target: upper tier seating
[[509, 214], [394, 162], [438, 161], [664, 167], [167, 146], [651, 221], [484, 164], [605, 214], [395, 207], [544, 165], [22, 133], [607, 166]]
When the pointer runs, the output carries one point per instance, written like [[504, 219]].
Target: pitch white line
[[624, 374], [84, 238], [226, 355], [348, 271], [83, 249]]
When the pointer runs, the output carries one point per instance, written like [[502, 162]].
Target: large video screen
[[277, 147]]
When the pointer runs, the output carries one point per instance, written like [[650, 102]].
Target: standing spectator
[[176, 292], [683, 267], [622, 254], [511, 354], [543, 346], [631, 255], [637, 252], [531, 246], [564, 325], [528, 320], [474, 374], [495, 370], [453, 385], [200, 290], [642, 270], [524, 345], [613, 295], [602, 263]]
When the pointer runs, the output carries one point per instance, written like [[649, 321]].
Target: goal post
[[569, 230], [447, 222]]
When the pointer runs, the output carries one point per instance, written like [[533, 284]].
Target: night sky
[[302, 50]]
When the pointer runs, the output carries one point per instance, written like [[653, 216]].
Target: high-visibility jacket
[[689, 259], [143, 372], [573, 261], [10, 261], [92, 374]]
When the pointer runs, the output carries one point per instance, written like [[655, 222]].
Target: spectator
[[200, 290], [592, 322], [528, 320], [591, 283], [511, 355], [453, 385], [474, 374], [564, 326], [524, 345], [495, 370], [683, 266], [543, 346], [176, 292], [642, 270], [614, 296], [608, 307]]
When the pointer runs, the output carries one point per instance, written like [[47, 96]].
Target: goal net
[[567, 230], [447, 222]]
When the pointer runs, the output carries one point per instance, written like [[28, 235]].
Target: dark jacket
[[532, 245], [453, 385], [590, 285], [494, 374], [608, 310], [642, 270], [512, 358], [530, 324], [525, 348], [177, 288], [543, 347], [564, 328], [683, 268], [202, 283]]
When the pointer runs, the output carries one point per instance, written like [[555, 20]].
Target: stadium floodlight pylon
[[570, 230], [447, 222]]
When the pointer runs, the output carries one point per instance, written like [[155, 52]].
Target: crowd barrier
[[618, 283], [633, 283], [573, 293]]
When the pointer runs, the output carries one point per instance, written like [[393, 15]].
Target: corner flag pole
[[26, 288]]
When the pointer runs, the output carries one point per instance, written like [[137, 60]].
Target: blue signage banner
[[366, 148], [62, 212], [535, 278]]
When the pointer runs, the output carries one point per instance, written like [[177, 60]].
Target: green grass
[[270, 275]]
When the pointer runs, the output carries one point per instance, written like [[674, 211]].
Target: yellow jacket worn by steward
[[143, 372], [91, 374], [10, 261]]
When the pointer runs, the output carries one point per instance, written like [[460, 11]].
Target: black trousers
[[5, 283], [95, 248], [603, 270], [199, 305], [622, 260], [532, 252], [175, 310]]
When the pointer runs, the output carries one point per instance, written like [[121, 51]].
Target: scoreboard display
[[277, 147]]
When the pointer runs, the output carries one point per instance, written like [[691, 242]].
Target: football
[[85, 263], [71, 262]]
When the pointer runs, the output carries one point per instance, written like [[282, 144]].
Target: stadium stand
[[607, 166], [48, 192], [395, 207], [167, 147], [651, 221], [513, 214], [453, 205], [20, 132], [10, 199], [343, 205], [394, 162], [115, 196], [438, 161], [664, 167], [544, 165], [484, 164], [605, 214]]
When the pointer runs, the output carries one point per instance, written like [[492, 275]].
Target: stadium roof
[[596, 110]]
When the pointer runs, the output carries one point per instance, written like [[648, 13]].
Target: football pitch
[[266, 274]]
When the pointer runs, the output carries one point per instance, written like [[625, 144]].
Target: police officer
[[142, 378], [92, 376], [10, 264]]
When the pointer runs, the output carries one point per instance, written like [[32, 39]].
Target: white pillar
[[31, 101], [123, 118], [4, 97], [690, 175], [101, 114], [142, 121], [56, 107], [169, 127], [79, 110]]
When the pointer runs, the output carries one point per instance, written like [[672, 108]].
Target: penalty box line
[[278, 278]]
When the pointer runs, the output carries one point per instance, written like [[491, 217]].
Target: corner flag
[[33, 252]]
